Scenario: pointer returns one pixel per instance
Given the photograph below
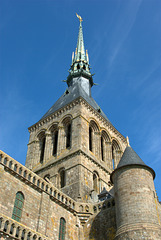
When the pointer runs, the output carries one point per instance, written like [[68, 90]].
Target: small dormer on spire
[[80, 61]]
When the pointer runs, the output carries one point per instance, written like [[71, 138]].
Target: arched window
[[93, 137], [113, 162], [102, 149], [42, 140], [90, 139], [68, 133], [62, 178], [18, 206], [116, 154], [95, 182], [55, 142], [42, 149], [67, 125], [62, 229]]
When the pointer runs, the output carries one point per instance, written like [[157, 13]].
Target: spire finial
[[127, 140], [79, 17]]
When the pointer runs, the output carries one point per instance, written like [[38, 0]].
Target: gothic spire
[[80, 60], [80, 51]]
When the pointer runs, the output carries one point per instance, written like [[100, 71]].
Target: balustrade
[[12, 228]]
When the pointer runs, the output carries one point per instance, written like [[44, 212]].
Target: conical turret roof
[[131, 158]]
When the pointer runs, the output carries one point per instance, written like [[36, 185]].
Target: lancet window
[[105, 140], [93, 137], [116, 153], [62, 229], [18, 206], [68, 131], [68, 135], [42, 140], [62, 177], [90, 139], [95, 182], [54, 132]]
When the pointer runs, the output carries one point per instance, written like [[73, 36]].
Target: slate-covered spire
[[80, 60]]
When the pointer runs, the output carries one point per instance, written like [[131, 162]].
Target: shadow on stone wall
[[102, 226]]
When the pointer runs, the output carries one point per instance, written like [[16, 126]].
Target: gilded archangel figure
[[80, 18]]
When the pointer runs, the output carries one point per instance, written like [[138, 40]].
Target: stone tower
[[74, 185], [137, 214], [74, 145]]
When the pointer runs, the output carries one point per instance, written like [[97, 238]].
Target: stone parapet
[[11, 229], [36, 182]]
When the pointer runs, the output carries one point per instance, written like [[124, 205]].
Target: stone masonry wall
[[135, 199], [40, 212], [101, 226]]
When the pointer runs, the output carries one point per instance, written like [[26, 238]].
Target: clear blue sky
[[123, 38]]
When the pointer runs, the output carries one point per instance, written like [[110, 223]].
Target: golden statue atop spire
[[80, 18]]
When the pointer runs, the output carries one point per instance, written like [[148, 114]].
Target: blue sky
[[123, 38]]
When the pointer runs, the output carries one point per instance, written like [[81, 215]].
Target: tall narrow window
[[62, 229], [42, 150], [113, 161], [95, 182], [68, 142], [102, 149], [55, 143], [18, 206], [90, 139], [62, 178]]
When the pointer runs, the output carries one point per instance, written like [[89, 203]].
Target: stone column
[[2, 224], [48, 146], [36, 153], [97, 143], [14, 231], [109, 154], [61, 139], [20, 233], [104, 151]]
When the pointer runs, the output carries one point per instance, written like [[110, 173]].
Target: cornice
[[54, 162]]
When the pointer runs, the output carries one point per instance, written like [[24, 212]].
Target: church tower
[[74, 145]]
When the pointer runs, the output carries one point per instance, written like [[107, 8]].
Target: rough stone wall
[[135, 203], [139, 234], [101, 226], [40, 213]]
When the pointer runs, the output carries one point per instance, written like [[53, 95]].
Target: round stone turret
[[135, 197]]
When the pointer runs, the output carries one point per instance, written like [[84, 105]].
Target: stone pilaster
[[61, 139], [36, 155], [97, 141], [108, 153], [48, 146]]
